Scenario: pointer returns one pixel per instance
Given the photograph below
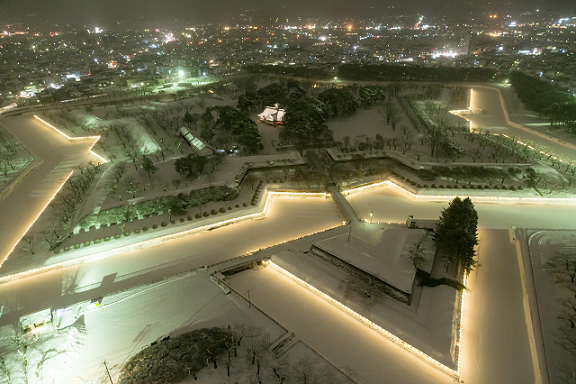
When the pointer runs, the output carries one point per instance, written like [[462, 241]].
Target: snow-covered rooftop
[[196, 144], [272, 115], [382, 251]]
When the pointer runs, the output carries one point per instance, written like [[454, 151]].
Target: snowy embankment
[[340, 338], [427, 324], [551, 257], [389, 205]]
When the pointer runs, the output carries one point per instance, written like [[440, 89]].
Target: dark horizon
[[196, 11]]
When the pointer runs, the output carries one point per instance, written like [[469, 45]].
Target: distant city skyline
[[106, 11]]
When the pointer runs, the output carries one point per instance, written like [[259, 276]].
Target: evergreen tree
[[191, 166], [148, 166], [250, 138], [457, 233], [189, 119]]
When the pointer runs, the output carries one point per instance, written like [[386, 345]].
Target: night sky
[[105, 11]]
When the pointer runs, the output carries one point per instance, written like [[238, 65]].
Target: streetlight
[[371, 212]]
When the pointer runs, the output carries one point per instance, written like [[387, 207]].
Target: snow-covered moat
[[496, 339], [110, 308]]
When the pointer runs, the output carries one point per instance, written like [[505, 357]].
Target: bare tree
[[417, 254], [364, 289]]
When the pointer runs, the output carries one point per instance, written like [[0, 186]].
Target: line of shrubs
[[467, 171], [144, 229], [256, 193], [175, 204], [478, 187], [456, 186]]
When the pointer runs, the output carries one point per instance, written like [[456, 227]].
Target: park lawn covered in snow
[[127, 321], [130, 320], [382, 252]]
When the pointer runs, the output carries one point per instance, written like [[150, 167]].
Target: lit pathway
[[495, 335], [19, 209], [389, 205]]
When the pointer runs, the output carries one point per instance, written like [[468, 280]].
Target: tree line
[[402, 72], [291, 70], [545, 99], [306, 116]]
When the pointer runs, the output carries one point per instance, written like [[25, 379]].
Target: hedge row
[[176, 204], [145, 229], [456, 186], [256, 193], [478, 187]]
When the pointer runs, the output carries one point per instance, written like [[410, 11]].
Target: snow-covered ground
[[496, 339], [363, 249], [428, 324], [130, 320], [21, 207], [496, 344], [287, 218], [15, 160], [340, 338], [388, 205], [492, 117], [495, 336], [555, 299]]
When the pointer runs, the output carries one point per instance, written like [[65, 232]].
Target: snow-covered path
[[495, 335], [287, 218], [389, 205], [338, 337], [19, 209]]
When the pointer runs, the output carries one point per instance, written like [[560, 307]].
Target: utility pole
[[107, 371]]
